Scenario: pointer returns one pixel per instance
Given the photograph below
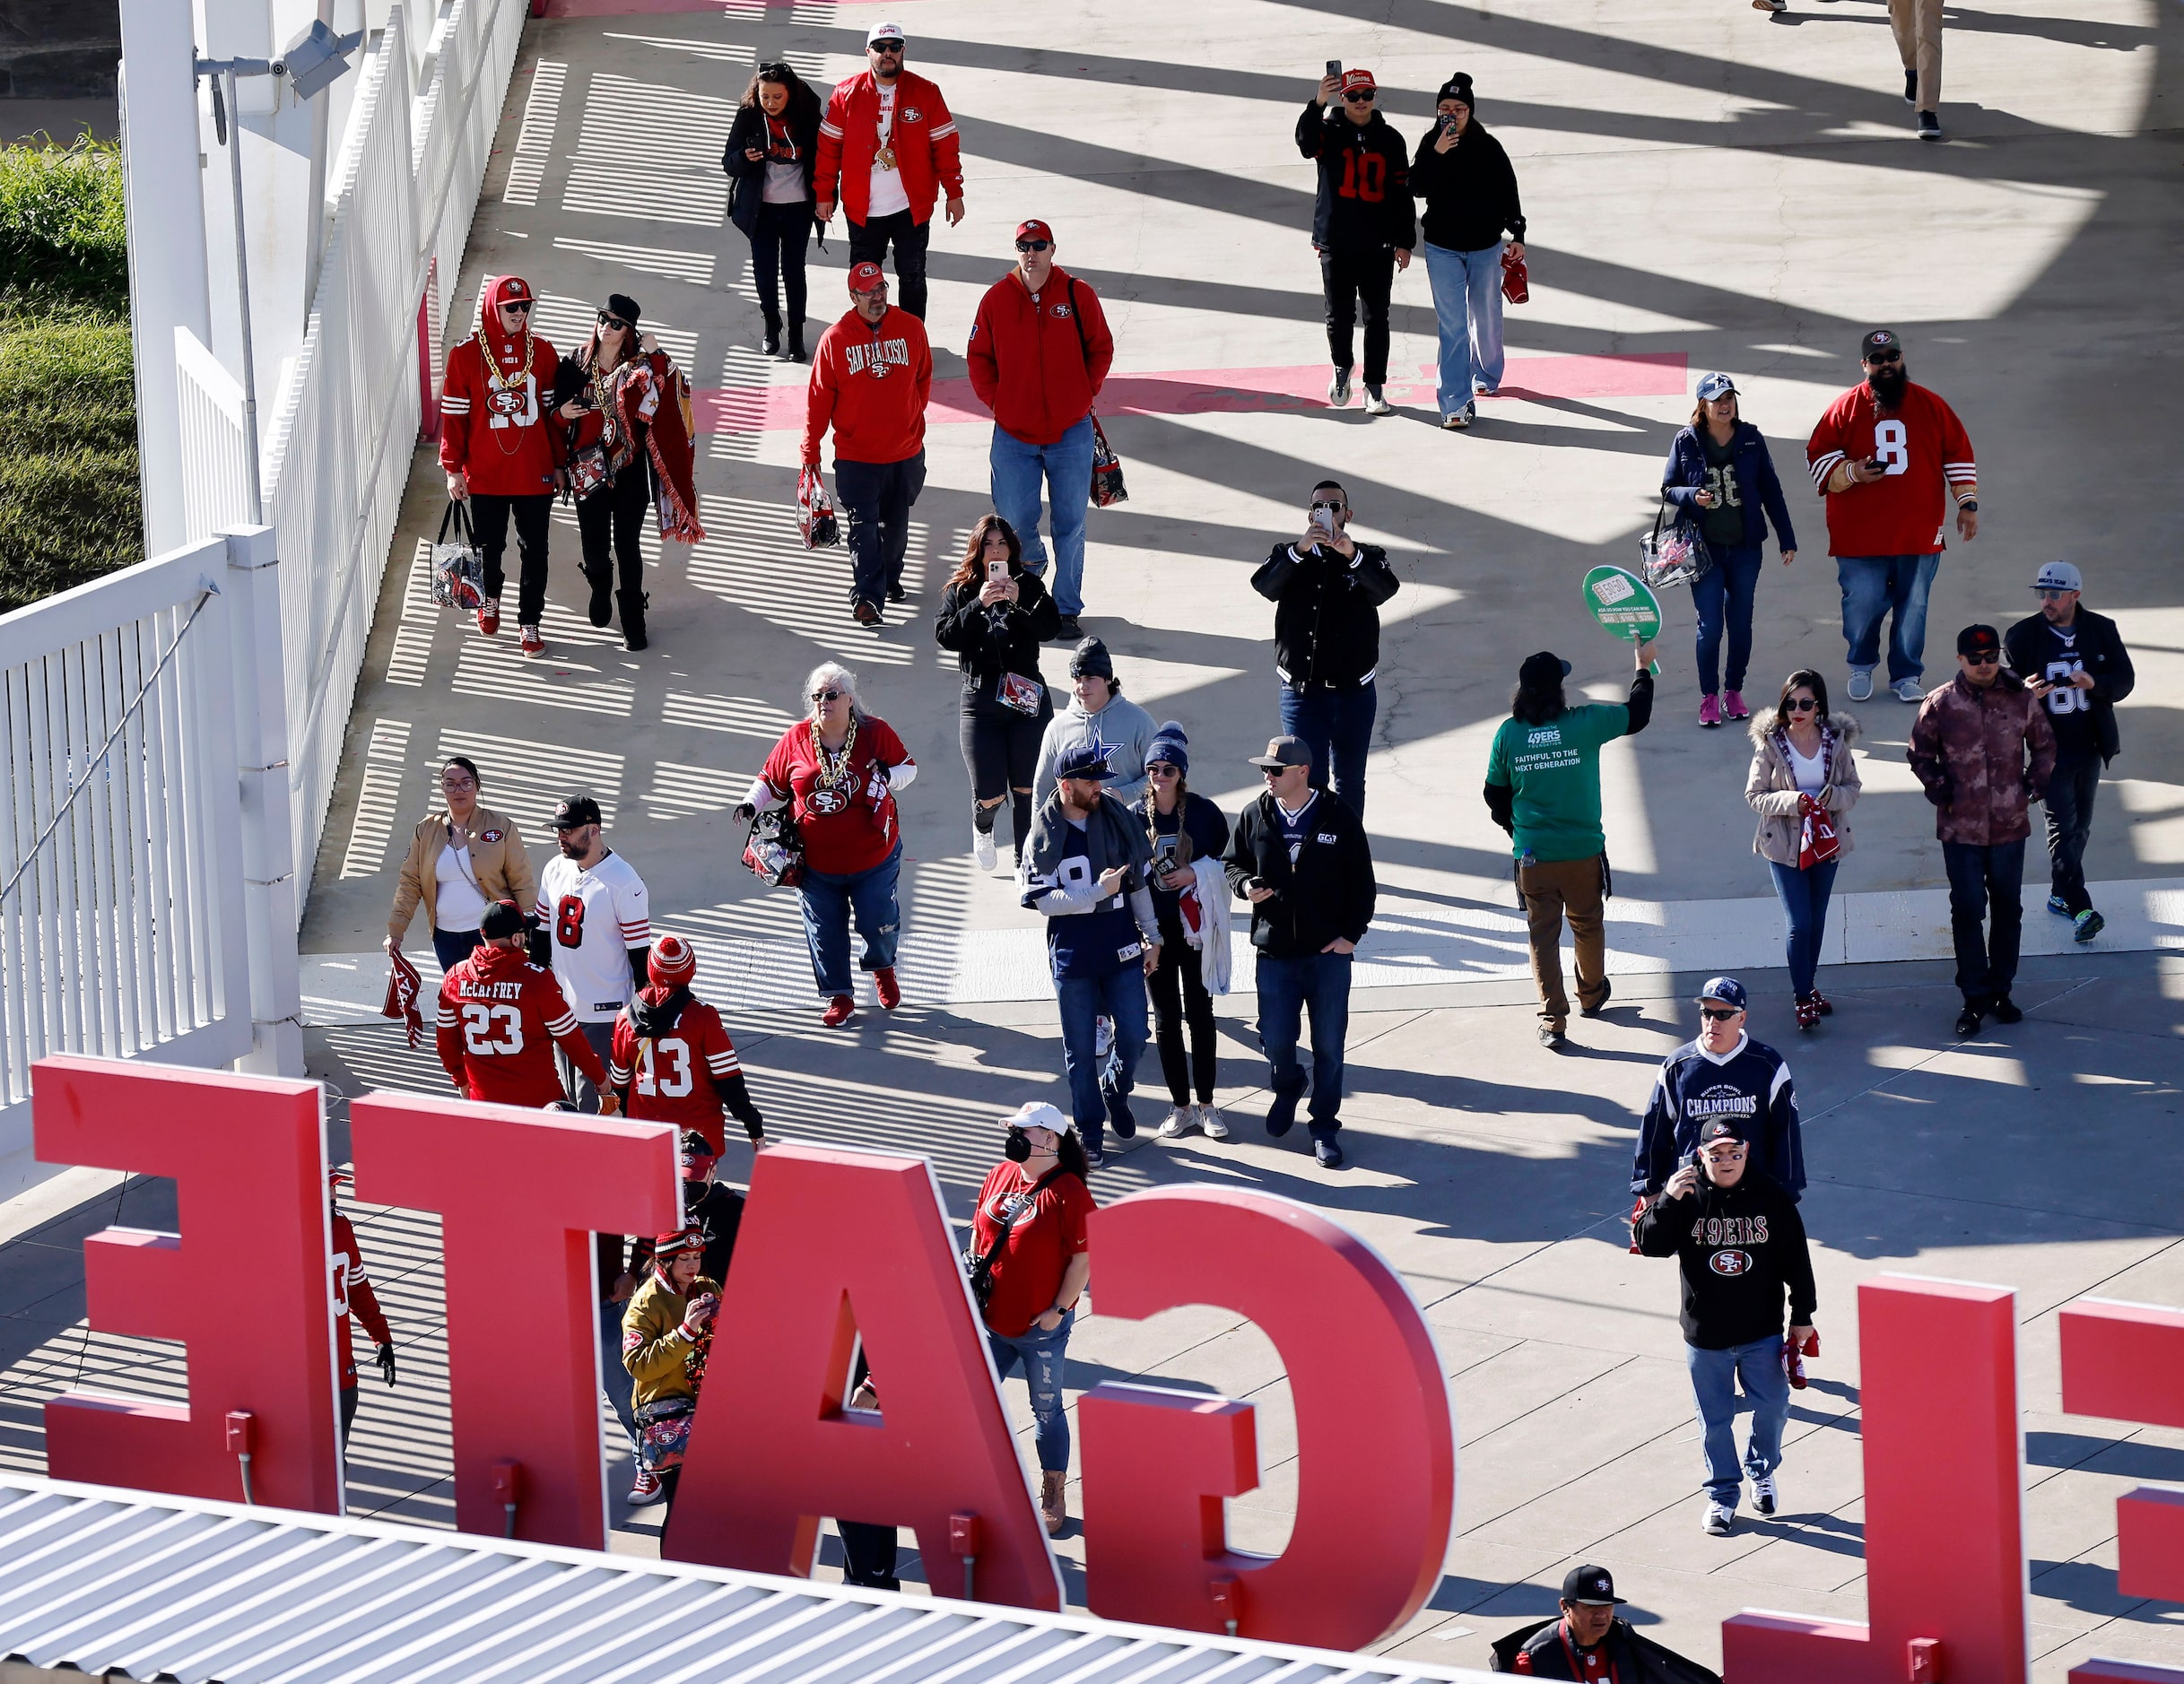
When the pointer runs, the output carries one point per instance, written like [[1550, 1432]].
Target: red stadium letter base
[[1374, 1501], [1945, 1555], [248, 1155], [521, 1194], [834, 1244]]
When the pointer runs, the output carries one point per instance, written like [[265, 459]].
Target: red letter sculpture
[[2127, 1361], [1944, 1552], [247, 1156], [1375, 1441], [519, 1195], [834, 1244]]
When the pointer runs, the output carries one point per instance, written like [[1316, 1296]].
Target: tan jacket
[[1771, 789], [653, 1347], [497, 855]]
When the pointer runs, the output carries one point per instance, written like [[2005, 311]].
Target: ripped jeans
[[830, 898], [1041, 1353]]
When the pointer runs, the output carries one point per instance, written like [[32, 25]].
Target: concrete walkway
[[1708, 188]]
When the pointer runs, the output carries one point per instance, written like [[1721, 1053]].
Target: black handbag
[[978, 1266]]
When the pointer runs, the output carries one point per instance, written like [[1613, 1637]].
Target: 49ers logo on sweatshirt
[[1730, 1262], [875, 357]]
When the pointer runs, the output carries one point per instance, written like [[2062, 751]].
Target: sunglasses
[[1801, 705], [1160, 769], [1359, 96], [521, 306], [1031, 244], [1720, 1016], [896, 47], [611, 321], [2047, 595], [1881, 357], [826, 695], [1338, 507], [1990, 658], [1272, 772]]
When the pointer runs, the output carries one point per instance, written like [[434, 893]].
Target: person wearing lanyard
[[459, 861], [1802, 763]]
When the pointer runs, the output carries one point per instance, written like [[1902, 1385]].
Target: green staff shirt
[[1554, 770]]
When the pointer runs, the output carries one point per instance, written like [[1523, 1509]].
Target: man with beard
[[596, 924], [1888, 457]]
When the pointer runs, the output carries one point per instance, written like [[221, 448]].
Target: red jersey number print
[[569, 921], [1364, 177]]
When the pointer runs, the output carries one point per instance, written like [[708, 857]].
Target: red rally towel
[[404, 985]]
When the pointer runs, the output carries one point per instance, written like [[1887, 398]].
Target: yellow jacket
[[497, 855], [653, 1348]]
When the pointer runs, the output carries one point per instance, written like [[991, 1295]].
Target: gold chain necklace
[[834, 763]]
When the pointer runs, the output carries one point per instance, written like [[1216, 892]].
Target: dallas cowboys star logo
[[1100, 746]]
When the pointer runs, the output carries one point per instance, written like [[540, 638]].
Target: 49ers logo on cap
[[1730, 1262]]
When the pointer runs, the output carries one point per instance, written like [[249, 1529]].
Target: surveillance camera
[[315, 60]]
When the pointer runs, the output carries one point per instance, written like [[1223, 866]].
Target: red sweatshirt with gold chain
[[495, 428]]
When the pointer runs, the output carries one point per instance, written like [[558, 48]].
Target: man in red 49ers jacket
[[871, 379], [502, 451], [887, 146]]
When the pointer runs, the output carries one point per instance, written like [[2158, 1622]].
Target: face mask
[[1017, 1150]]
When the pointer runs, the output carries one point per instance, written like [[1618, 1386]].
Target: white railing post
[[270, 892]]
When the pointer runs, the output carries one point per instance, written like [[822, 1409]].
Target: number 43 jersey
[[499, 1017], [1927, 455]]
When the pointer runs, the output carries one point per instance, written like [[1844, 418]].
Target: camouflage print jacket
[[1983, 755]]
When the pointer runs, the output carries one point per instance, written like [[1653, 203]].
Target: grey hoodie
[[1123, 731]]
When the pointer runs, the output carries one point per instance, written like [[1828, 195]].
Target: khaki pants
[[1917, 26], [1554, 891]]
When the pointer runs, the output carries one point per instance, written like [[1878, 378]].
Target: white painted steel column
[[161, 183], [270, 891]]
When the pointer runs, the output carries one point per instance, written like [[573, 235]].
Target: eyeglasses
[[1801, 705], [1359, 96], [1720, 1016], [457, 780], [1033, 245], [611, 321], [522, 306], [1880, 358], [826, 695], [896, 47], [1986, 658], [2047, 595]]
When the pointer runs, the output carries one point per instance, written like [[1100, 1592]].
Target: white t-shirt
[[1811, 775], [458, 902], [593, 919], [886, 196]]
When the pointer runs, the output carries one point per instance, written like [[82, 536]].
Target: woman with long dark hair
[[461, 860], [1191, 908], [994, 615], [1470, 191], [1801, 766], [1028, 1235], [772, 145], [626, 407]]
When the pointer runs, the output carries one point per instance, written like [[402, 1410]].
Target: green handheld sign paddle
[[1624, 605]]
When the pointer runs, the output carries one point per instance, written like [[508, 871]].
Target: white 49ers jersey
[[593, 918]]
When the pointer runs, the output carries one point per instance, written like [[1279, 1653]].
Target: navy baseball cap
[[1727, 990], [1714, 386], [1083, 764]]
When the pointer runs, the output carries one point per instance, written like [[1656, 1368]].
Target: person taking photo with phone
[[1362, 225], [1469, 187]]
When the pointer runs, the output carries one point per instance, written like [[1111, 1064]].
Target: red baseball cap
[[1035, 229], [866, 277], [1353, 80]]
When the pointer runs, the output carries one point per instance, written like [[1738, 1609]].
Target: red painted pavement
[[748, 408]]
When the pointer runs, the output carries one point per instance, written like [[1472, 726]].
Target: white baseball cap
[[1037, 1114], [2058, 576], [884, 32]]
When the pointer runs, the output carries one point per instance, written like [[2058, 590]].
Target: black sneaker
[[1282, 1114], [1067, 631], [1607, 992], [2006, 1011], [770, 346], [1910, 87], [1329, 1153], [896, 593], [1969, 1019], [1929, 126], [1119, 1114], [1093, 1157]]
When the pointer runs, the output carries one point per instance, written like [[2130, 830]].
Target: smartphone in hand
[[1335, 66]]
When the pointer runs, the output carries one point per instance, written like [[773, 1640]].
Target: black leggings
[[617, 512], [778, 244], [1180, 997], [1001, 751]]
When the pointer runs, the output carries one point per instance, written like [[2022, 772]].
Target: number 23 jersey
[[593, 919], [499, 1016], [1927, 455]]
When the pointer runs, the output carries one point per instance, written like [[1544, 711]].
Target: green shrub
[[64, 236]]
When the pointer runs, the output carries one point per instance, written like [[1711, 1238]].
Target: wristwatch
[[1972, 503]]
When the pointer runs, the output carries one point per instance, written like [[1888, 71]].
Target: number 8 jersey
[[1926, 453], [594, 918], [500, 1019]]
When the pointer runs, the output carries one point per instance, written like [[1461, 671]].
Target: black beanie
[[1458, 87]]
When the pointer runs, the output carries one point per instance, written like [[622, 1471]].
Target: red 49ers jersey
[[1927, 452], [499, 1016], [353, 1296], [670, 1077]]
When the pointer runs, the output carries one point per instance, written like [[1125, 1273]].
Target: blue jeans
[[613, 1378], [1723, 593], [452, 947], [1286, 986], [1979, 877], [1804, 895], [1714, 1376], [1120, 995], [829, 899], [1066, 467], [1467, 310], [1874, 585], [1042, 1354], [1337, 726]]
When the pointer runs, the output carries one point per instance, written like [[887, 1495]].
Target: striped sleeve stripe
[[724, 1063], [1824, 466], [944, 131], [829, 129], [455, 405], [562, 1025], [448, 1019], [617, 1074], [1961, 470], [635, 933]]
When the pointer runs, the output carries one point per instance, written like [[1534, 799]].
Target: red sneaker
[[837, 1011], [489, 619], [1820, 1003], [1808, 1014], [533, 645], [890, 989]]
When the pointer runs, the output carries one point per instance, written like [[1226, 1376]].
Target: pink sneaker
[[1733, 705], [1709, 711]]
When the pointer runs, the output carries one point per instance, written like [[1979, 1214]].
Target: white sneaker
[[1765, 1498], [1719, 1518], [1210, 1120], [1861, 683], [1338, 389], [1376, 403], [1907, 690], [1179, 1121], [982, 848]]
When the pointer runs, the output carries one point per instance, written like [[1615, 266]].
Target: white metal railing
[[123, 899], [215, 469], [338, 446]]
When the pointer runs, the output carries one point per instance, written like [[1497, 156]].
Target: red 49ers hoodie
[[1029, 362], [870, 383], [494, 426]]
